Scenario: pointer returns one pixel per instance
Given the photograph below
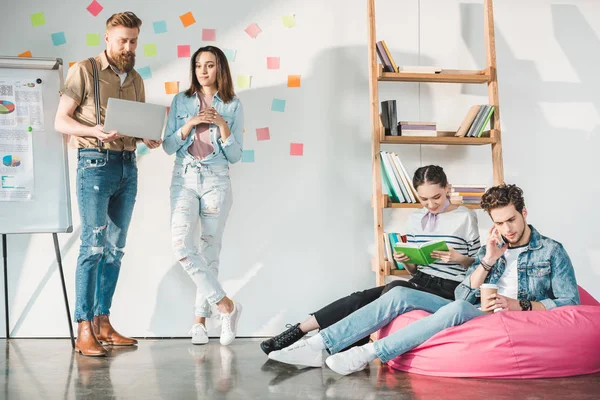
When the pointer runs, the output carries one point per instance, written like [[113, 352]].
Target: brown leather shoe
[[87, 343], [108, 335]]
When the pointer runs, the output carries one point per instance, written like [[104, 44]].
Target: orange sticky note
[[172, 87], [293, 80], [296, 149], [71, 64], [26, 54], [187, 19]]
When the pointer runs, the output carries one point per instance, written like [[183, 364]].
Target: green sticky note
[[30, 129], [243, 81], [92, 39], [289, 21], [38, 19], [150, 50]]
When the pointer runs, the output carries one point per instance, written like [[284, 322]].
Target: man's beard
[[123, 64]]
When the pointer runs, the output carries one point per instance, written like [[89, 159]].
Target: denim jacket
[[183, 108], [544, 271]]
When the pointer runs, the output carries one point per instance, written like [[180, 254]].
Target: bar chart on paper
[[11, 161]]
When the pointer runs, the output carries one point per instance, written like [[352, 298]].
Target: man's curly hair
[[501, 196]]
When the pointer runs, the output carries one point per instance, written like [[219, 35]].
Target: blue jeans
[[200, 196], [106, 190], [399, 300]]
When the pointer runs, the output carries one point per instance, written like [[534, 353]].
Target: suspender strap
[[96, 93]]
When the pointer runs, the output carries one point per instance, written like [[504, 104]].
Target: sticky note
[[262, 134], [92, 39], [38, 19], [230, 54], [209, 35], [144, 72], [187, 19], [253, 30], [248, 156], [278, 105], [289, 21], [150, 50], [272, 62], [94, 8], [243, 81], [58, 38], [296, 149], [293, 81], [172, 87], [183, 50], [26, 54], [160, 27], [71, 63]]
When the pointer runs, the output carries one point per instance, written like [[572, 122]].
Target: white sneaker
[[347, 362], [299, 353], [229, 324], [199, 334]]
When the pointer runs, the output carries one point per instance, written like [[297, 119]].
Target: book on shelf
[[396, 181], [420, 254], [468, 121], [389, 117], [383, 57], [419, 69], [390, 240], [417, 128], [389, 55], [478, 123], [468, 188]]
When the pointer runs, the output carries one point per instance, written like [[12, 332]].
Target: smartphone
[[500, 243]]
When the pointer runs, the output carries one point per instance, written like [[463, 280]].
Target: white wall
[[300, 232]]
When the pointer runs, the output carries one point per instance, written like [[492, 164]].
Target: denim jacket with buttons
[[183, 108], [544, 270]]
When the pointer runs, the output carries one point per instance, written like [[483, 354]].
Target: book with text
[[420, 254]]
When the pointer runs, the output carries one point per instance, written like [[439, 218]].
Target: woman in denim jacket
[[204, 129]]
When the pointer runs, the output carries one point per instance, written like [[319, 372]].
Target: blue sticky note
[[248, 156], [160, 26], [58, 38], [230, 54], [145, 72], [278, 105]]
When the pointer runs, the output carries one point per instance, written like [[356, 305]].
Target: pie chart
[[6, 107], [11, 161]]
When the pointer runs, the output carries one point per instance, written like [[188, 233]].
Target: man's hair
[[501, 196], [432, 174], [126, 19]]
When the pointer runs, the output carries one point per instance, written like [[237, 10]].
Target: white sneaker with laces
[[299, 353], [347, 362], [199, 334], [229, 324]]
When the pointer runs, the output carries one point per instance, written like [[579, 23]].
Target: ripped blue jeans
[[106, 191], [200, 200]]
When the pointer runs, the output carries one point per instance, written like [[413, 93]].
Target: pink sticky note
[[253, 30], [272, 62], [262, 134], [296, 149], [183, 50], [209, 35], [94, 8]]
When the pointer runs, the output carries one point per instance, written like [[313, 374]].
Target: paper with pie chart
[[21, 104], [16, 165]]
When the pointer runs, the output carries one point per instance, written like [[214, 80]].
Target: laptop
[[135, 119]]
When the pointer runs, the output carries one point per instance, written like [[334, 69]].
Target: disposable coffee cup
[[487, 289]]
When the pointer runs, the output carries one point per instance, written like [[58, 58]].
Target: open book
[[420, 254]]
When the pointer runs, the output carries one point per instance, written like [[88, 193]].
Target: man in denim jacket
[[532, 272]]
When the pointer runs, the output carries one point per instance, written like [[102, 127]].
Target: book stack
[[391, 240], [389, 117], [475, 121], [389, 65], [397, 184], [407, 128], [466, 194]]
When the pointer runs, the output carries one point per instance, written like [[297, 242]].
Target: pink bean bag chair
[[564, 341]]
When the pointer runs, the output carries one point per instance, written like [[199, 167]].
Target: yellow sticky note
[[187, 19], [289, 21], [150, 50], [293, 80], [71, 63], [172, 87], [92, 39], [37, 19], [243, 81]]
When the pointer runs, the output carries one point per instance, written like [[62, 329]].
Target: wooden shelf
[[446, 76], [399, 272], [418, 205], [439, 140]]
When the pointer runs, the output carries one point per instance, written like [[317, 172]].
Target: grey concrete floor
[[175, 369]]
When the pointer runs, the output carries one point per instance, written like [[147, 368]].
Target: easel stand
[[62, 280]]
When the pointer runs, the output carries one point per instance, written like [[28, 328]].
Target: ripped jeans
[[106, 191], [200, 198]]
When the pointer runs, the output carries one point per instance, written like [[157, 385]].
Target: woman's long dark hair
[[224, 82]]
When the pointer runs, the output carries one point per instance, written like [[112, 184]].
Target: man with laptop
[[106, 172]]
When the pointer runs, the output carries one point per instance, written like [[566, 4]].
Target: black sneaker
[[283, 340]]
